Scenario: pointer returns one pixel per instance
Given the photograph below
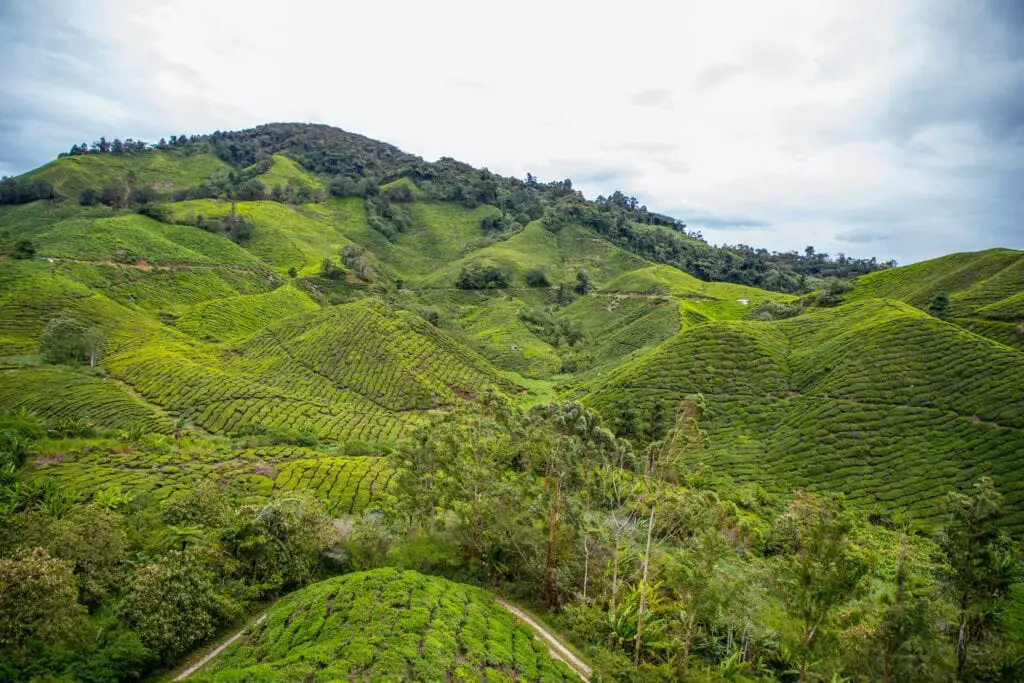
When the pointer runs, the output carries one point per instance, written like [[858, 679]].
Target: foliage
[[66, 339], [483, 276], [173, 603], [389, 624], [38, 598]]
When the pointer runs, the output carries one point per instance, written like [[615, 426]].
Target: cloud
[[891, 129], [658, 98]]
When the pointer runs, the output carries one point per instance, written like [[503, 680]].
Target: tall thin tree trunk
[[689, 638], [549, 579], [586, 566], [961, 642], [643, 589]]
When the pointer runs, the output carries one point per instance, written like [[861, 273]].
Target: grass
[[388, 624]]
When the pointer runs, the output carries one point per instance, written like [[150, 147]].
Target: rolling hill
[[387, 624], [884, 397]]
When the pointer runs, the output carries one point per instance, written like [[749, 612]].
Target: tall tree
[[980, 567], [819, 568]]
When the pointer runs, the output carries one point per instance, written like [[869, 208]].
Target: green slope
[[387, 624], [876, 399], [164, 171], [985, 290]]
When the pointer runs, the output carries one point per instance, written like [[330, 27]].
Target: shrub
[[537, 277], [23, 249], [482, 276]]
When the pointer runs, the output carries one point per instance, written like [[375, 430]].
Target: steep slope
[[875, 399], [392, 625], [985, 291]]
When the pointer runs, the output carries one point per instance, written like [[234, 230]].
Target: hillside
[[234, 364], [983, 291], [247, 333], [876, 399], [388, 624]]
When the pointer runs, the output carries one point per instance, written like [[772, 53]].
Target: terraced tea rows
[[393, 359], [985, 290], [346, 484], [388, 624], [60, 393], [234, 317], [188, 381], [876, 399]]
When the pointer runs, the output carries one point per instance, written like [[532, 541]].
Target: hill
[[388, 624], [875, 399], [981, 292], [246, 330]]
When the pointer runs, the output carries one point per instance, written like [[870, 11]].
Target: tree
[[980, 568], [66, 339], [583, 286], [818, 569], [94, 540], [38, 598], [173, 604], [537, 277], [292, 273], [939, 304], [906, 626], [278, 545], [23, 249]]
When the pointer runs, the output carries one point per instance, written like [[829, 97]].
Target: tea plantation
[[884, 397], [387, 624]]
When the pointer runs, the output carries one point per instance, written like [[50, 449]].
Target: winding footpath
[[216, 651], [555, 647]]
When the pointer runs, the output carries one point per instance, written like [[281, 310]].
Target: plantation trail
[[217, 650], [555, 647]]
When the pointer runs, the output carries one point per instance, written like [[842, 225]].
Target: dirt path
[[216, 651], [558, 651]]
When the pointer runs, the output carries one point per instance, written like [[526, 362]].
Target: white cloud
[[782, 112]]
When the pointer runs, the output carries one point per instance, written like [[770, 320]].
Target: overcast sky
[[877, 128]]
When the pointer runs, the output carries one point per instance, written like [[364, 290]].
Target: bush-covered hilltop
[[296, 365], [353, 165]]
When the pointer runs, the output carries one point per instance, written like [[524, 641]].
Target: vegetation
[[389, 624], [292, 361]]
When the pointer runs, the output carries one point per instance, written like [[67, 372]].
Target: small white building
[[745, 302]]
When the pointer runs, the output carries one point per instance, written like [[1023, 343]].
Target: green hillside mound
[[713, 300], [390, 625], [164, 171], [284, 172], [358, 371], [875, 399], [561, 255], [64, 393], [985, 290], [233, 317], [284, 236], [346, 484]]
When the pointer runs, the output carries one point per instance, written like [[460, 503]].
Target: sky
[[872, 128]]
